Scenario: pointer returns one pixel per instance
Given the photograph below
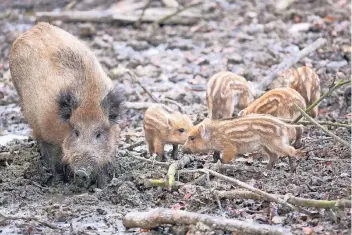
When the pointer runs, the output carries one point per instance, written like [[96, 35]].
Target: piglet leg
[[159, 150], [174, 153]]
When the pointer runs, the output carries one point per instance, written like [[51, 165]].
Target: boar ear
[[204, 132], [67, 104], [113, 104]]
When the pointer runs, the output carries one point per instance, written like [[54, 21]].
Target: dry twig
[[154, 162], [138, 105], [151, 15], [298, 201], [168, 17], [265, 195], [139, 21], [335, 137], [159, 216]]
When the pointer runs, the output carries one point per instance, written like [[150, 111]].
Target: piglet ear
[[241, 113], [67, 103], [113, 104], [169, 122], [204, 132]]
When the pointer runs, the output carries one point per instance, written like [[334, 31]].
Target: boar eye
[[181, 130], [98, 135], [76, 132], [192, 138]]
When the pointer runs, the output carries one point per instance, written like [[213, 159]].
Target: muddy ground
[[246, 37]]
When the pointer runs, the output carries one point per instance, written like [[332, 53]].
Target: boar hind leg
[[229, 154], [174, 153], [159, 150], [50, 159]]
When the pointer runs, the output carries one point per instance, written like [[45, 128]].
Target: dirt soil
[[246, 37]]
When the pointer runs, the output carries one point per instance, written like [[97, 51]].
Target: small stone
[[235, 58], [300, 27], [343, 175]]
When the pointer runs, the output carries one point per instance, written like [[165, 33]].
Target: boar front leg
[[50, 159]]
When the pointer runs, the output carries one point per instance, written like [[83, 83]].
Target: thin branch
[[288, 62], [179, 106], [153, 162], [298, 201], [8, 217], [137, 144], [165, 18], [138, 105], [331, 89], [335, 137], [265, 195], [327, 123], [136, 80], [159, 216], [139, 21]]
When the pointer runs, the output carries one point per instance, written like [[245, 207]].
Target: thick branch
[[159, 216], [338, 84], [150, 15], [298, 201], [335, 137], [288, 62]]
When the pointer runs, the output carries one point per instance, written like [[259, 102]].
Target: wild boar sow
[[70, 103]]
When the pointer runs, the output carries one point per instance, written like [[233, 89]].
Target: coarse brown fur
[[278, 102], [245, 135], [66, 96], [305, 81], [165, 126], [225, 92]]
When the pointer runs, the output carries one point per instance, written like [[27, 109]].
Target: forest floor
[[246, 37]]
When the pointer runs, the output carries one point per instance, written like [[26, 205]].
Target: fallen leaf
[[329, 19], [187, 196]]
